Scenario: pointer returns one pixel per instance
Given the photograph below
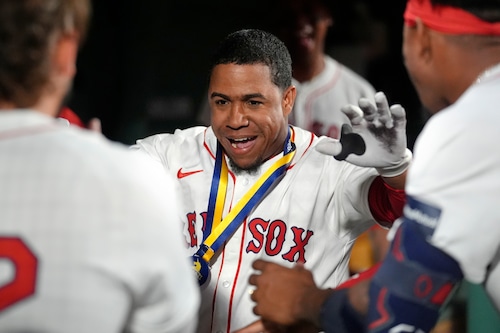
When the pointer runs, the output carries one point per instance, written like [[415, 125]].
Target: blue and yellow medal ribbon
[[217, 193], [218, 230]]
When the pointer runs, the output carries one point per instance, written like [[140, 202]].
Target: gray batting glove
[[376, 137]]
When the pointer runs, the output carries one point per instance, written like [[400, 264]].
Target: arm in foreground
[[407, 290], [288, 300], [413, 283], [404, 293]]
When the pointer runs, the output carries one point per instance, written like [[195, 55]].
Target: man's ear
[[423, 40], [65, 53], [288, 99]]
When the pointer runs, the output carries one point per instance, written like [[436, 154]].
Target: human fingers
[[299, 265], [260, 264], [264, 268], [384, 114], [255, 327], [398, 115], [355, 114], [252, 280], [95, 125]]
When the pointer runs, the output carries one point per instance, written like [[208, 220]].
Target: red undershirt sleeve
[[386, 203]]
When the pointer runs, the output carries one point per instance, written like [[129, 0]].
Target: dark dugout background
[[144, 66]]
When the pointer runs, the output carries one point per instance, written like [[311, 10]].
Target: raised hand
[[375, 137]]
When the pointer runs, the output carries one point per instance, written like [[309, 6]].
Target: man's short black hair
[[254, 46]]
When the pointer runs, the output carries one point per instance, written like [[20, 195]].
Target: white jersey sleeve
[[457, 171]]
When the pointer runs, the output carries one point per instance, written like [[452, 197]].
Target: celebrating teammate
[[450, 229], [87, 243], [323, 84], [255, 187]]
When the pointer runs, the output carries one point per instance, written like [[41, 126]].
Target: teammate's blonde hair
[[28, 28]]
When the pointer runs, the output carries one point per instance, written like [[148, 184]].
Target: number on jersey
[[25, 269]]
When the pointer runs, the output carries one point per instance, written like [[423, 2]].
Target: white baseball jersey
[[89, 235], [318, 103], [455, 177], [313, 214]]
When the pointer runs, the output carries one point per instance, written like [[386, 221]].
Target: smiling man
[[239, 97], [254, 187]]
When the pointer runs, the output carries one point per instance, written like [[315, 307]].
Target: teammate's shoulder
[[96, 156], [178, 136]]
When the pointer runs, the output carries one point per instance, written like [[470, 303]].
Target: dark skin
[[249, 113], [294, 292], [435, 63], [303, 26]]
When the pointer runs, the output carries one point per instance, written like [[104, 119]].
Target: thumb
[[95, 125], [329, 146]]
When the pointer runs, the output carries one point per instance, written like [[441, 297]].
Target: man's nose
[[237, 116]]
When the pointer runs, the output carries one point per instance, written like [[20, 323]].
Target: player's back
[[464, 181], [89, 239]]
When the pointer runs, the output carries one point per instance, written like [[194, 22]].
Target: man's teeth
[[234, 142]]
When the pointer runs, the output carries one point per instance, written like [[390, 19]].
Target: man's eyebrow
[[245, 97], [216, 94], [252, 96]]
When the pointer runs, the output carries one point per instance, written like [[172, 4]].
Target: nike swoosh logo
[[181, 174]]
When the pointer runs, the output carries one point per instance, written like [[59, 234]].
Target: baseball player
[[323, 84], [87, 242], [450, 229], [255, 187]]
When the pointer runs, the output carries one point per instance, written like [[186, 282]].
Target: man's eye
[[254, 102], [220, 102]]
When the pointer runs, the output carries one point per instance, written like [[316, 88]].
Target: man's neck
[[7, 106]]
